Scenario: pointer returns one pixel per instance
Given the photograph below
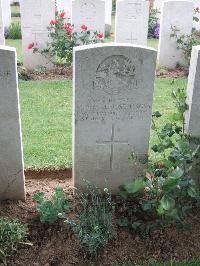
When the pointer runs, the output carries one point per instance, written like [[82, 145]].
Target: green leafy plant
[[12, 232], [14, 31], [166, 192], [62, 39], [93, 225], [153, 22], [49, 210], [185, 42]]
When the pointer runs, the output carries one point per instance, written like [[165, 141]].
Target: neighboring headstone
[[2, 39], [196, 24], [35, 18], [158, 6], [11, 155], [193, 94], [113, 94], [168, 54], [132, 18], [108, 15], [14, 1], [90, 13], [6, 13], [65, 5]]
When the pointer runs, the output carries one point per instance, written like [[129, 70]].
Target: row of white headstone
[[158, 6], [113, 87], [5, 18], [100, 10], [131, 24]]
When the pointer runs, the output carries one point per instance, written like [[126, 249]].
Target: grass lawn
[[15, 9], [46, 116], [46, 119], [46, 123], [18, 45], [153, 43]]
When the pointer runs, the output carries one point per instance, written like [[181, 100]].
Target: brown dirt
[[171, 73], [56, 74], [66, 73], [65, 173], [56, 245]]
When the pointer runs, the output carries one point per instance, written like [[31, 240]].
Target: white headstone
[[113, 94], [158, 6], [90, 13], [168, 54], [65, 5], [108, 14], [196, 24], [14, 1], [132, 18], [193, 94], [11, 155], [6, 13], [2, 39], [35, 18]]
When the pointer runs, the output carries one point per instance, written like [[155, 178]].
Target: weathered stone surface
[[193, 95], [90, 13], [35, 17], [6, 13], [168, 54], [2, 39], [113, 94], [11, 155], [132, 21]]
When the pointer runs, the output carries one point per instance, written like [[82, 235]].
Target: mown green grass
[[15, 9], [18, 45], [152, 43], [46, 119], [46, 123]]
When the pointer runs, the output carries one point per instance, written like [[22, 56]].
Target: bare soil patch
[[56, 245], [66, 73], [55, 74], [172, 73]]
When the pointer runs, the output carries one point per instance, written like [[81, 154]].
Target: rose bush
[[62, 39]]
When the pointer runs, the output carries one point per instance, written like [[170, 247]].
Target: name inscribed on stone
[[88, 10], [133, 10], [112, 97]]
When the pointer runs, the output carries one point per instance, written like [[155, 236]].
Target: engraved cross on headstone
[[112, 142], [132, 39]]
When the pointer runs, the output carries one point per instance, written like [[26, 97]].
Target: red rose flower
[[100, 35], [62, 15], [53, 22], [68, 27], [83, 27], [31, 45]]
